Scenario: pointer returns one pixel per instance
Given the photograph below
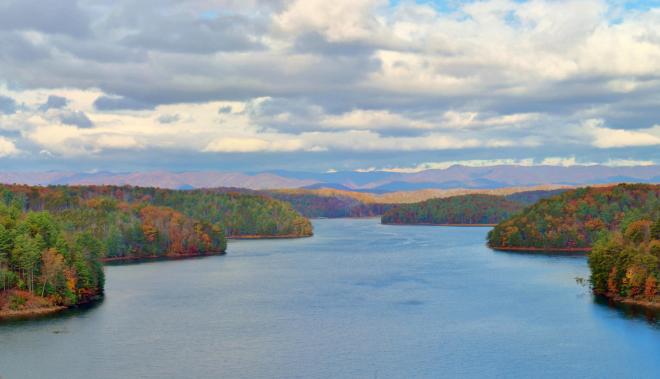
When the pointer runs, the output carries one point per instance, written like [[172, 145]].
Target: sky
[[316, 85]]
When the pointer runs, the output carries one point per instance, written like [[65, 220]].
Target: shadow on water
[[133, 261], [631, 311], [78, 310], [627, 311], [543, 254]]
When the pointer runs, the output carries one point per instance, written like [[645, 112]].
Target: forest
[[54, 239], [456, 210], [316, 205], [625, 263], [576, 219], [44, 265]]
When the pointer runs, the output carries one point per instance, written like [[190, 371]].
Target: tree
[[52, 267], [26, 255]]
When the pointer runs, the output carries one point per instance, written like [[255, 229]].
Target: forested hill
[[575, 219], [457, 210], [316, 204], [43, 266], [625, 263], [237, 214], [53, 239]]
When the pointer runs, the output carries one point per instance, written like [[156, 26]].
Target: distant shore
[[543, 249], [430, 224]]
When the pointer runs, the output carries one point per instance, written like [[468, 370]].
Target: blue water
[[358, 300]]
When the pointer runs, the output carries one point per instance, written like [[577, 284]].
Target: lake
[[357, 300]]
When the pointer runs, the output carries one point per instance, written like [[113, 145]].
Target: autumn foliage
[[577, 218]]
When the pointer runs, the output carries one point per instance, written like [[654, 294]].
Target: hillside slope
[[457, 210], [575, 219]]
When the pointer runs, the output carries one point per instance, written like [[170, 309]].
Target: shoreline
[[618, 300], [41, 312], [267, 237], [430, 224], [160, 257], [31, 313], [543, 249]]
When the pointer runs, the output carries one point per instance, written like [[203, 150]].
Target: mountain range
[[458, 176]]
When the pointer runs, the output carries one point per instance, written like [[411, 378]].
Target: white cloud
[[251, 145], [610, 138], [373, 119], [7, 147], [548, 161]]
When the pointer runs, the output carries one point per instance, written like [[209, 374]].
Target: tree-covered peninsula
[[43, 267], [576, 219], [53, 239], [625, 263], [456, 210]]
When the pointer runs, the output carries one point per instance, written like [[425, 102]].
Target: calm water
[[358, 300]]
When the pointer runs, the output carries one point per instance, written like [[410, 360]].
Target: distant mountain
[[464, 177], [161, 179]]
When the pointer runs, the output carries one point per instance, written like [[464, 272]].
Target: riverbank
[[267, 237], [543, 249], [641, 303], [19, 305], [159, 257], [429, 224]]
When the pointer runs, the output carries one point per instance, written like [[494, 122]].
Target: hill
[[625, 263], [43, 267], [576, 219], [230, 214], [456, 210], [331, 203]]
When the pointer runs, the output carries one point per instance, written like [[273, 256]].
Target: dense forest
[[625, 263], [456, 210], [43, 265], [576, 219], [237, 214], [316, 205]]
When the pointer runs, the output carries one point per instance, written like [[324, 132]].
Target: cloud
[[7, 147], [225, 109], [372, 119], [113, 103], [547, 161], [169, 118], [251, 145], [76, 118], [615, 138], [54, 102], [61, 17], [7, 105], [357, 81]]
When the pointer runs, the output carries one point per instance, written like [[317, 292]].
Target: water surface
[[358, 300]]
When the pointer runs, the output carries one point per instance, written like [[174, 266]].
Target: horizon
[[409, 170], [383, 85]]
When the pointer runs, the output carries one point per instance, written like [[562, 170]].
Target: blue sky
[[314, 85]]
